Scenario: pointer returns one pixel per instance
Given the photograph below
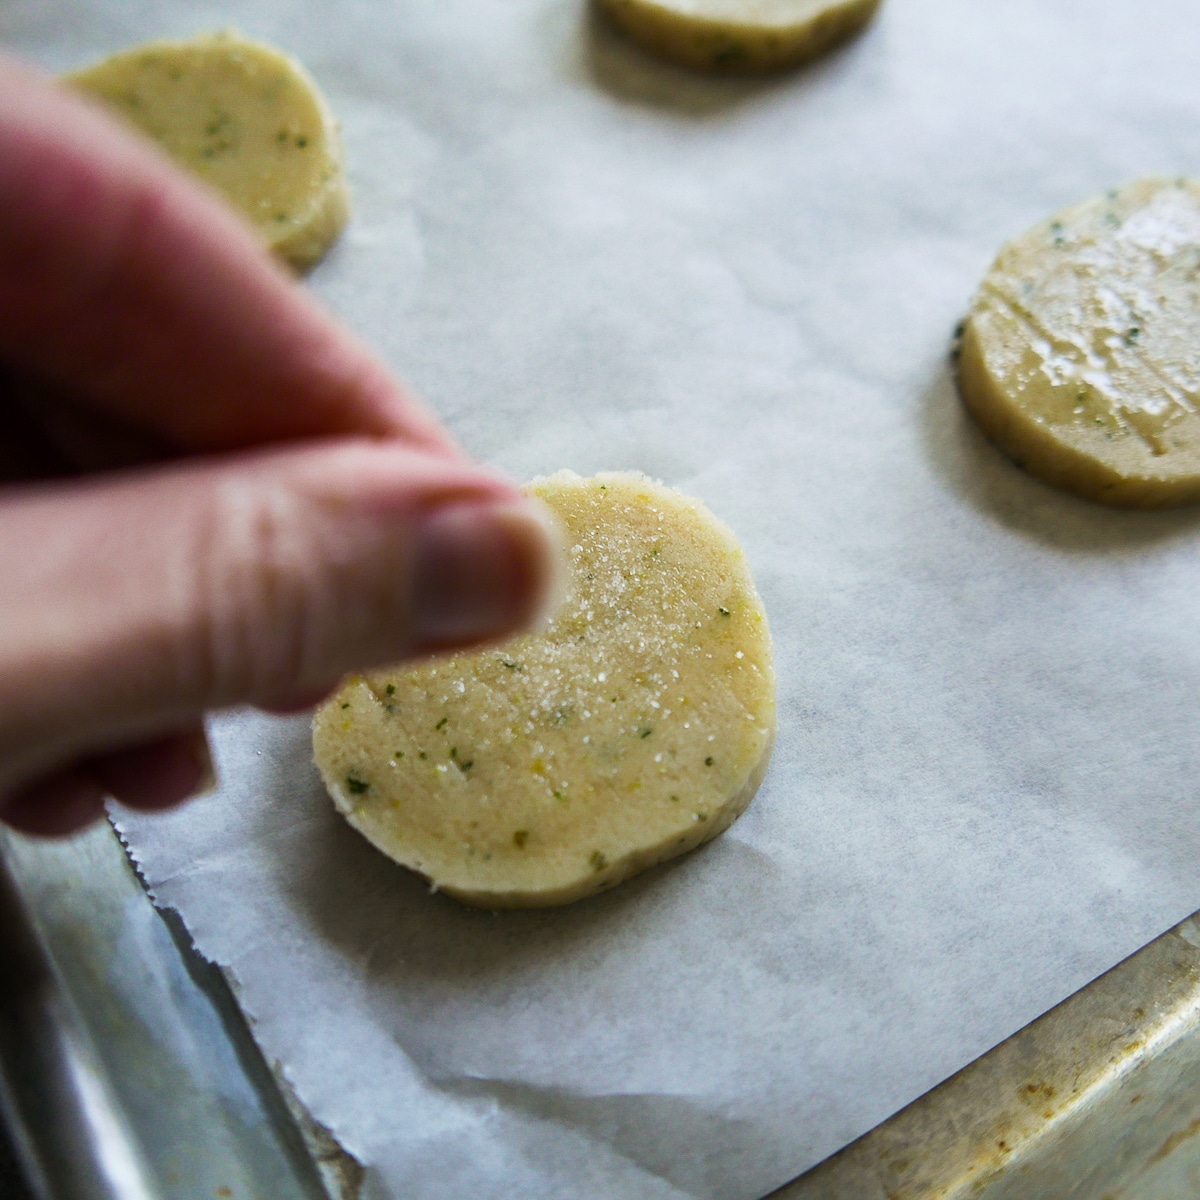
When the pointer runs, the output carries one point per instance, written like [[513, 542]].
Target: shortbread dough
[[635, 727], [739, 35], [247, 119], [1081, 354]]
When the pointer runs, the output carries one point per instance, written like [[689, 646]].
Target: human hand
[[210, 492]]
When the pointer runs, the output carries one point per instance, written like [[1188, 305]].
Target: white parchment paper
[[986, 788]]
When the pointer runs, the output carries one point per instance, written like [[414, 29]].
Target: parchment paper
[[985, 789]]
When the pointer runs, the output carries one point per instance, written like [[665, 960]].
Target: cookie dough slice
[[635, 727], [1080, 357], [739, 35], [247, 119]]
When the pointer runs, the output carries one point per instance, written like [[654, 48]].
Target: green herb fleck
[[346, 704], [520, 838], [559, 796], [302, 142], [442, 723], [512, 666], [1132, 336], [708, 762], [390, 689], [422, 755], [598, 861], [398, 754], [645, 733], [465, 765], [281, 136], [723, 611], [357, 786]]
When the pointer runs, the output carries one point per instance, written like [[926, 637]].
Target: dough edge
[[1032, 446], [308, 241], [636, 861], [736, 47]]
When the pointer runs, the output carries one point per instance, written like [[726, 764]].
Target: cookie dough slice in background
[[1080, 357], [635, 727], [739, 35], [248, 120]]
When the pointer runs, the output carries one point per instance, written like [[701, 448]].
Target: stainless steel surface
[[1097, 1100], [167, 1036], [70, 1133]]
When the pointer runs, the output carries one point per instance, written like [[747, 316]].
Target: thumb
[[132, 605]]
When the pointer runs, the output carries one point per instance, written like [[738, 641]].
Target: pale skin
[[211, 493]]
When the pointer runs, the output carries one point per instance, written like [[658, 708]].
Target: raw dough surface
[[1081, 354], [739, 35], [636, 727], [247, 119]]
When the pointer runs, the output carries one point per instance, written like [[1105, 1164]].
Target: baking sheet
[[984, 788]]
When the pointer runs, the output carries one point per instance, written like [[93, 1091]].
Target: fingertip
[[537, 531], [482, 571], [296, 703], [58, 805], [158, 774]]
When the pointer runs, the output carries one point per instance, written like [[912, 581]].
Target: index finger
[[131, 287]]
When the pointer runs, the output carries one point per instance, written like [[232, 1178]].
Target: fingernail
[[481, 571]]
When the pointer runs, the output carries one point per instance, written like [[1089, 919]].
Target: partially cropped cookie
[[248, 120], [1081, 354], [739, 35], [635, 727]]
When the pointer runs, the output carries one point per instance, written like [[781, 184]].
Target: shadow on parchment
[[618, 66], [997, 487], [373, 910], [422, 955]]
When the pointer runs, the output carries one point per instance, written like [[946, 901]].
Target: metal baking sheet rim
[[1110, 1068], [1099, 1099]]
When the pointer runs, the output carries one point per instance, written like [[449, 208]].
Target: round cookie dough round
[[247, 119], [739, 35], [636, 726], [1080, 357]]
